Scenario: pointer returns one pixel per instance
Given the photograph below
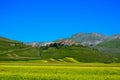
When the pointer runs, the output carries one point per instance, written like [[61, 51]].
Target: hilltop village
[[56, 44]]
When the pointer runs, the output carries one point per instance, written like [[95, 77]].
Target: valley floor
[[70, 71]]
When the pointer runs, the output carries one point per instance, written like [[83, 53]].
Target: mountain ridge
[[92, 38]]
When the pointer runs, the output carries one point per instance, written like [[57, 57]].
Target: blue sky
[[47, 20]]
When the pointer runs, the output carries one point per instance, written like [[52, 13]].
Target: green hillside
[[63, 54], [113, 43], [81, 54], [6, 44], [111, 47], [13, 50]]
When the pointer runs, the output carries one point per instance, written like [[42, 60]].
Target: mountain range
[[88, 39], [92, 39]]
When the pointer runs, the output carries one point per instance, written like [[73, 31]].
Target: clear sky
[[47, 20]]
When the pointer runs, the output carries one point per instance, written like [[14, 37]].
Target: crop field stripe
[[58, 73], [57, 66]]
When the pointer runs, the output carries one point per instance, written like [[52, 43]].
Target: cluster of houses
[[61, 42], [57, 44]]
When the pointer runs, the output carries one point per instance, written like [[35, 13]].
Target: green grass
[[114, 43], [6, 45], [82, 71], [63, 54], [81, 54]]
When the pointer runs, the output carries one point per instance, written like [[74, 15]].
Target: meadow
[[37, 71]]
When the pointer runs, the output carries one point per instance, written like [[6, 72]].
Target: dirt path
[[5, 52]]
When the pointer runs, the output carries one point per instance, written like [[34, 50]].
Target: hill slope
[[81, 54], [7, 44], [13, 50], [113, 43], [111, 47]]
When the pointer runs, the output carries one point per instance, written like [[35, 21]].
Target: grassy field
[[37, 71]]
